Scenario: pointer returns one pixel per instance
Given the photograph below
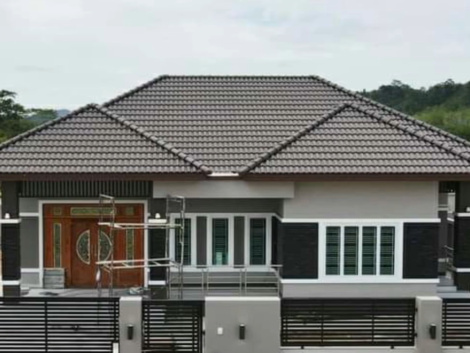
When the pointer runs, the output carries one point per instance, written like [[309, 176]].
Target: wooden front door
[[84, 244], [75, 242]]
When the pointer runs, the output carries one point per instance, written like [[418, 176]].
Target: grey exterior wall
[[363, 200], [201, 239], [30, 279], [261, 317], [228, 205], [239, 240], [29, 242], [357, 290]]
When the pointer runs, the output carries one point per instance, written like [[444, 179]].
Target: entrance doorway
[[75, 242]]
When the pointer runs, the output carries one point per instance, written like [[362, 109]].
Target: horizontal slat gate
[[347, 322], [172, 326], [456, 322], [58, 324]]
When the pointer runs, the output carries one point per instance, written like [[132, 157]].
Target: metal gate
[[58, 324], [172, 326]]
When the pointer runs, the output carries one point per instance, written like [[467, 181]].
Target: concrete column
[[130, 313], [10, 245], [429, 313], [260, 316]]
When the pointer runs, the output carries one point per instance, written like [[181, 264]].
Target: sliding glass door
[[220, 246]]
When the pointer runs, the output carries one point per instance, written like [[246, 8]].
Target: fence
[[347, 322], [58, 324], [456, 322], [170, 326]]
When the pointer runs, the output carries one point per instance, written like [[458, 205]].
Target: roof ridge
[[161, 143], [391, 110], [293, 138], [134, 90], [41, 127], [425, 138]]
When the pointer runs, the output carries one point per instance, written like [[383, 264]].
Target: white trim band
[[11, 283], [29, 214], [242, 299], [462, 270], [378, 280], [30, 270], [463, 214], [10, 221], [358, 220], [157, 283]]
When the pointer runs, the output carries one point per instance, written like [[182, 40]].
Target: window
[[360, 250], [257, 241], [219, 241], [186, 240]]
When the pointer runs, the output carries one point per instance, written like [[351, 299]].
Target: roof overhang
[[357, 177], [91, 176]]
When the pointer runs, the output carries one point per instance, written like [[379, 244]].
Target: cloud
[[68, 53]]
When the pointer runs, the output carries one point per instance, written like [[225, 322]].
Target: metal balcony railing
[[243, 280]]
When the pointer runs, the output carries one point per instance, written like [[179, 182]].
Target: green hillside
[[445, 105]]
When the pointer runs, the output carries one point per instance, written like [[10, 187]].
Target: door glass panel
[[130, 244], [104, 247], [83, 247], [57, 237]]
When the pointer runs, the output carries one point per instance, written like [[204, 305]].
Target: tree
[[12, 116]]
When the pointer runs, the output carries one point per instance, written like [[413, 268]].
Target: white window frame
[[172, 250], [377, 278], [231, 237]]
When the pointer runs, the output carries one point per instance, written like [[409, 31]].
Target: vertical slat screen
[[456, 322], [59, 324], [172, 326], [347, 322], [86, 188]]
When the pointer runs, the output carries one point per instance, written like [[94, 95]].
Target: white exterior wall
[[357, 199]]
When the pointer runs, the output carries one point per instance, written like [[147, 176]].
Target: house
[[346, 195]]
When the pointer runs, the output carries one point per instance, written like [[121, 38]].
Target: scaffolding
[[107, 221]]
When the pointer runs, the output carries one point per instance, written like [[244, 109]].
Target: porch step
[[446, 289]]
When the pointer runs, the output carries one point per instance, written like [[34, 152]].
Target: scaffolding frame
[[107, 221]]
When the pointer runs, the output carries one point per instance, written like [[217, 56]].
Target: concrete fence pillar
[[130, 325], [243, 325], [429, 315]]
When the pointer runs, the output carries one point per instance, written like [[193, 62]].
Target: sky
[[67, 53]]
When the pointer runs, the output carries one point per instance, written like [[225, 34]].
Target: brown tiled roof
[[238, 124], [351, 139], [229, 122], [93, 140]]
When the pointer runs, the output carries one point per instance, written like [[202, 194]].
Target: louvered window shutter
[[332, 250], [351, 250], [220, 241], [187, 242], [387, 250], [258, 241], [369, 250]]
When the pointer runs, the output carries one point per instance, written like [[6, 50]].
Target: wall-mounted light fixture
[[432, 331], [241, 331], [130, 332]]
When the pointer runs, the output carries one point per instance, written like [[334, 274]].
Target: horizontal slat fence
[[456, 322], [172, 326], [59, 324], [347, 322]]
